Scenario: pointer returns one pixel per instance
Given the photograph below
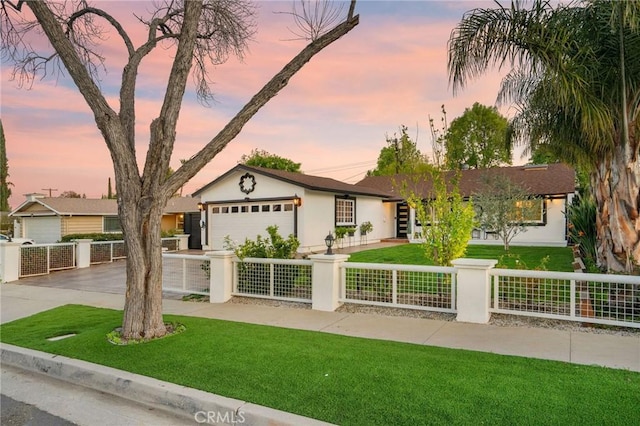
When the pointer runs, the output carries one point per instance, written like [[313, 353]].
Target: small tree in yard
[[447, 220], [198, 34], [504, 207]]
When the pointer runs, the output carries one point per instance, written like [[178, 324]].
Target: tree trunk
[[616, 187], [143, 303]]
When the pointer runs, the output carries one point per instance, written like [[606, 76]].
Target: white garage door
[[248, 220], [42, 229]]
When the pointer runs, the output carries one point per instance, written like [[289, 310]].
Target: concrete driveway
[[102, 278]]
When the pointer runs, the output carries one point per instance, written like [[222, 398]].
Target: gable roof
[[92, 206], [316, 183], [541, 180]]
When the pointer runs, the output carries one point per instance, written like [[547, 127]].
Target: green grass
[[345, 380], [560, 258]]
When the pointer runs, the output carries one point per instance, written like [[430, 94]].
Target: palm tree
[[575, 81]]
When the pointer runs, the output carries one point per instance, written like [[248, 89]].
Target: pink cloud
[[390, 70]]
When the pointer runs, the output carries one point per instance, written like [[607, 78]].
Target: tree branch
[[269, 90]]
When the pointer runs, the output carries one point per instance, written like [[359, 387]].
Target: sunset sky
[[332, 117]]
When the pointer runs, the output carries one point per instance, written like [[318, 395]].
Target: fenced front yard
[[594, 298], [278, 279], [404, 286], [589, 298], [41, 259]]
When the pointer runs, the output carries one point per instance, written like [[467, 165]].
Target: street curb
[[179, 400]]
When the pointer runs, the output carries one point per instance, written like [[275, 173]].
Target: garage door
[[42, 229], [248, 220]]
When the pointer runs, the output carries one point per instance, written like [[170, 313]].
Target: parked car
[[24, 241]]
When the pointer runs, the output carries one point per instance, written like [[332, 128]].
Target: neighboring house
[[244, 201], [553, 185], [48, 219]]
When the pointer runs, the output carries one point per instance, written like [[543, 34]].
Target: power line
[[344, 167], [50, 190]]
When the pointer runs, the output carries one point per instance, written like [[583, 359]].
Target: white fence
[[19, 261], [279, 279], [107, 251], [594, 298], [186, 274], [404, 286], [41, 259], [472, 288]]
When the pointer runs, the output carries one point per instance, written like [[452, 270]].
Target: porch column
[[474, 289], [9, 262], [83, 253], [325, 281], [220, 275], [183, 241]]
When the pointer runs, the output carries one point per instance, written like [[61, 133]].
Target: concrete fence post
[[325, 281], [221, 275], [83, 253], [183, 241], [9, 262], [474, 289]]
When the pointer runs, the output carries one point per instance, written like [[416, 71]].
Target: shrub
[[95, 237]]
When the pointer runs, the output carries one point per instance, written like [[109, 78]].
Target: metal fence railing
[[281, 279], [40, 259], [187, 274], [403, 286], [171, 244], [593, 298], [107, 251]]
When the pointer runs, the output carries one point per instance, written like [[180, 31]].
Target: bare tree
[[201, 33], [505, 207]]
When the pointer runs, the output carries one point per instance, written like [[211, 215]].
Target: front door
[[192, 227], [402, 220]]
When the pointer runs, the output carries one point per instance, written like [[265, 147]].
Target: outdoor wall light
[[200, 206], [297, 201], [328, 240]]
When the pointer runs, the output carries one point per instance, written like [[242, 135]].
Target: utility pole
[[50, 190]]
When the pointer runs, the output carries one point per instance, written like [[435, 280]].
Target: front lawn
[[560, 258], [345, 380]]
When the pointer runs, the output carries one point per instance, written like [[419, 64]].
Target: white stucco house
[[552, 185], [242, 202]]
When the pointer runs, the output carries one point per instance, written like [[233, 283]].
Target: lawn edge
[[169, 397]]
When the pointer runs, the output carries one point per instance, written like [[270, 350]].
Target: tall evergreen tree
[[5, 185]]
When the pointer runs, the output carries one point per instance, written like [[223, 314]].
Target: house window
[[112, 224], [255, 209], [345, 211], [215, 210], [288, 207], [266, 208], [244, 209], [225, 210], [530, 211], [277, 207], [234, 209]]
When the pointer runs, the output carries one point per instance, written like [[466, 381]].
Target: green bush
[[272, 247], [95, 237], [255, 278], [581, 215]]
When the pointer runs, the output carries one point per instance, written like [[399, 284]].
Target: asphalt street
[[17, 413]]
